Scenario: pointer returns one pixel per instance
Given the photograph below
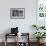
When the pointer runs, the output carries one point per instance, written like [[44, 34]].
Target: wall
[[23, 24]]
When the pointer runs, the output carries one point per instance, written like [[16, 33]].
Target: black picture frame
[[17, 13]]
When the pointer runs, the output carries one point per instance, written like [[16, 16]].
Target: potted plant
[[39, 35]]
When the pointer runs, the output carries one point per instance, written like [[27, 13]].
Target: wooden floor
[[13, 44]]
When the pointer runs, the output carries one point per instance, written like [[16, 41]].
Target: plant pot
[[40, 41]]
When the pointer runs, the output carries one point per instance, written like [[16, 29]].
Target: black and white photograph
[[17, 13]]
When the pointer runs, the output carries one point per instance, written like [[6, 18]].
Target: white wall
[[23, 24]]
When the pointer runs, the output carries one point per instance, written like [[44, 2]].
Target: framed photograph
[[17, 13]]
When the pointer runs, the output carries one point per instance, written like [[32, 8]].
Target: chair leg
[[5, 43], [5, 40]]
